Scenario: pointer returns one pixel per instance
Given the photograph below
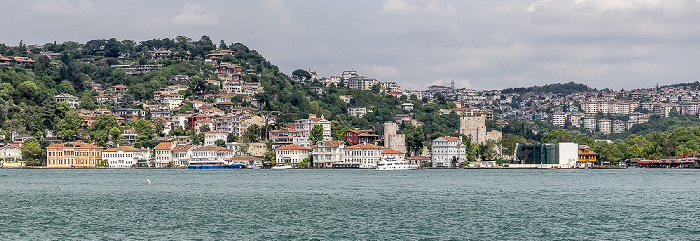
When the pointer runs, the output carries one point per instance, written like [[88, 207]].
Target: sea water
[[496, 204]]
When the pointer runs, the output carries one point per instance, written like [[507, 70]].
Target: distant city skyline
[[417, 43]]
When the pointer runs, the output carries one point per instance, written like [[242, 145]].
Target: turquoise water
[[349, 204]]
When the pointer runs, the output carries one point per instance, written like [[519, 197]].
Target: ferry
[[213, 165], [396, 165]]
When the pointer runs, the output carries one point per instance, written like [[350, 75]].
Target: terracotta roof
[[164, 145], [392, 151], [364, 146], [450, 138], [329, 143], [292, 147], [182, 147], [211, 148], [76, 144]]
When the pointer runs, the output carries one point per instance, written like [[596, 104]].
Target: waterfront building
[[11, 152], [586, 157], [182, 155], [163, 154], [292, 154], [560, 155], [211, 154], [73, 154], [364, 155], [327, 153], [448, 151], [124, 156]]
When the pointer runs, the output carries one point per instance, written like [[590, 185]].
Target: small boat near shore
[[281, 167], [396, 165]]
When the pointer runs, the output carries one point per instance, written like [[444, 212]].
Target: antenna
[[453, 85]]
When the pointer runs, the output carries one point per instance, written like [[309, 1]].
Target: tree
[[69, 126], [100, 127], [32, 153], [231, 137], [414, 139], [220, 142], [198, 138], [112, 48], [301, 75], [252, 134], [316, 134]]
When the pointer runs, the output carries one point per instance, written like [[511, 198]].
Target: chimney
[[460, 138]]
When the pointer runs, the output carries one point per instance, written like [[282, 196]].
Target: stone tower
[[392, 139], [474, 126]]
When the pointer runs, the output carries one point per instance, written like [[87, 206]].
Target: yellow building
[[73, 154], [586, 157]]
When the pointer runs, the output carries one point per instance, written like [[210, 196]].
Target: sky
[[494, 44]]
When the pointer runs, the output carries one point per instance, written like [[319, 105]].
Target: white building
[[210, 137], [70, 99], [163, 154], [304, 126], [293, 154], [11, 152], [605, 126], [448, 151], [327, 153], [124, 156], [182, 155], [589, 123], [366, 155], [211, 154], [357, 111], [618, 126]]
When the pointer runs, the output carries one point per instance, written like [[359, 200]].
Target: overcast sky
[[490, 44]]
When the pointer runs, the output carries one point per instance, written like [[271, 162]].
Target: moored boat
[[396, 165], [281, 166], [214, 165]]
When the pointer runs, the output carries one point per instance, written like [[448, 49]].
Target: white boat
[[280, 166], [396, 165]]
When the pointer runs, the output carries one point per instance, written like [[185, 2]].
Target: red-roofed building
[[228, 69], [163, 154], [393, 155], [4, 60], [24, 60], [159, 54]]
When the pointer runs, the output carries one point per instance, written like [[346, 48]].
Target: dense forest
[[558, 88]]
